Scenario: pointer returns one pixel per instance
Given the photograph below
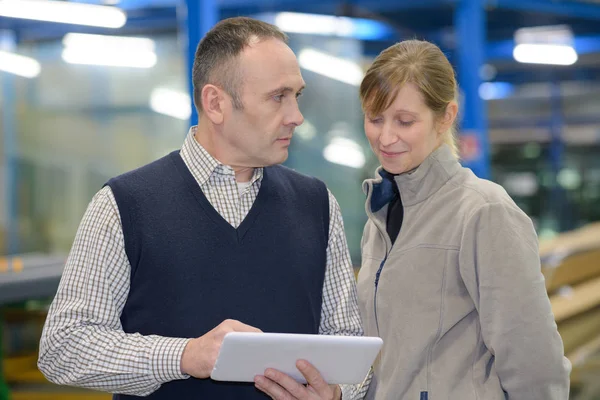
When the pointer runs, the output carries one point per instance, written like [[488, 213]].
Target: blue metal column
[[200, 17], [9, 129], [470, 25], [574, 9], [558, 205]]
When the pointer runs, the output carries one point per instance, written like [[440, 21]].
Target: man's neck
[[243, 174], [204, 137]]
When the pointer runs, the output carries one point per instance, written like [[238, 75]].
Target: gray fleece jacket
[[459, 300]]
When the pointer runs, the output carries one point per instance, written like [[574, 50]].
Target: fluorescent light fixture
[[115, 51], [171, 102], [553, 54], [19, 65], [109, 58], [552, 34], [344, 151], [332, 67], [64, 12], [314, 24], [329, 25], [125, 43], [545, 45]]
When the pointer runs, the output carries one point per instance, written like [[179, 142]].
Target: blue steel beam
[[470, 27], [575, 9], [387, 5], [200, 17], [157, 15], [133, 4], [373, 5], [370, 5], [546, 73]]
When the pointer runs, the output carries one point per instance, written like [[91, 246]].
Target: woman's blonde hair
[[411, 61]]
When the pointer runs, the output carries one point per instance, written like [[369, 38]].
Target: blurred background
[[77, 109]]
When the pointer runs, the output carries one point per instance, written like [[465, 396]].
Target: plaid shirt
[[83, 342]]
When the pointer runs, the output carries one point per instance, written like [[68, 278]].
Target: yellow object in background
[[14, 264], [17, 264]]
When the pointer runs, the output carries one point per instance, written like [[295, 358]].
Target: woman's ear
[[448, 118]]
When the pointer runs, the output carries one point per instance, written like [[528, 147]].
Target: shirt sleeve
[[340, 315], [83, 342]]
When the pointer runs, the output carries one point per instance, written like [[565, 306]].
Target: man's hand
[[283, 387], [200, 354]]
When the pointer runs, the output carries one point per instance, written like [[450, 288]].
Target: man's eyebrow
[[284, 89]]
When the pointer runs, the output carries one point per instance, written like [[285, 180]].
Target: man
[[212, 239]]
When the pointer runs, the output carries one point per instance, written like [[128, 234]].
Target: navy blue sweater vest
[[191, 269]]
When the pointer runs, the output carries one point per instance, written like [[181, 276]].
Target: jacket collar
[[417, 185]]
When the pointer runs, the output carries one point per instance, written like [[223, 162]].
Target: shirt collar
[[203, 166]]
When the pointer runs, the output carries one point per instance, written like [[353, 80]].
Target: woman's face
[[404, 134]]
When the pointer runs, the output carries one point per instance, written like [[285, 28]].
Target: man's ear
[[213, 99]]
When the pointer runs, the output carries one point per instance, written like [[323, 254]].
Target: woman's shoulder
[[476, 192]]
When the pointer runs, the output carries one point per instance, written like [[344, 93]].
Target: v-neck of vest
[[237, 234]]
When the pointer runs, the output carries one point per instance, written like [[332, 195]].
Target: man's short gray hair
[[215, 61]]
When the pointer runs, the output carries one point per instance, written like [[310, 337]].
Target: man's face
[[259, 135]]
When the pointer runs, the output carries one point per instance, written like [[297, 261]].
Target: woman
[[451, 274]]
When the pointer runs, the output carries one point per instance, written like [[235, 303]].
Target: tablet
[[339, 359]]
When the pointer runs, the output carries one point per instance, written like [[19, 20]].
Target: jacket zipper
[[377, 275]]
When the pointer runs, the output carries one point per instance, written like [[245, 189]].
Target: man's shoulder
[[152, 169], [298, 183], [293, 175]]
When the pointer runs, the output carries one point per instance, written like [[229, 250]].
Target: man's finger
[[297, 390], [271, 388], [313, 376]]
